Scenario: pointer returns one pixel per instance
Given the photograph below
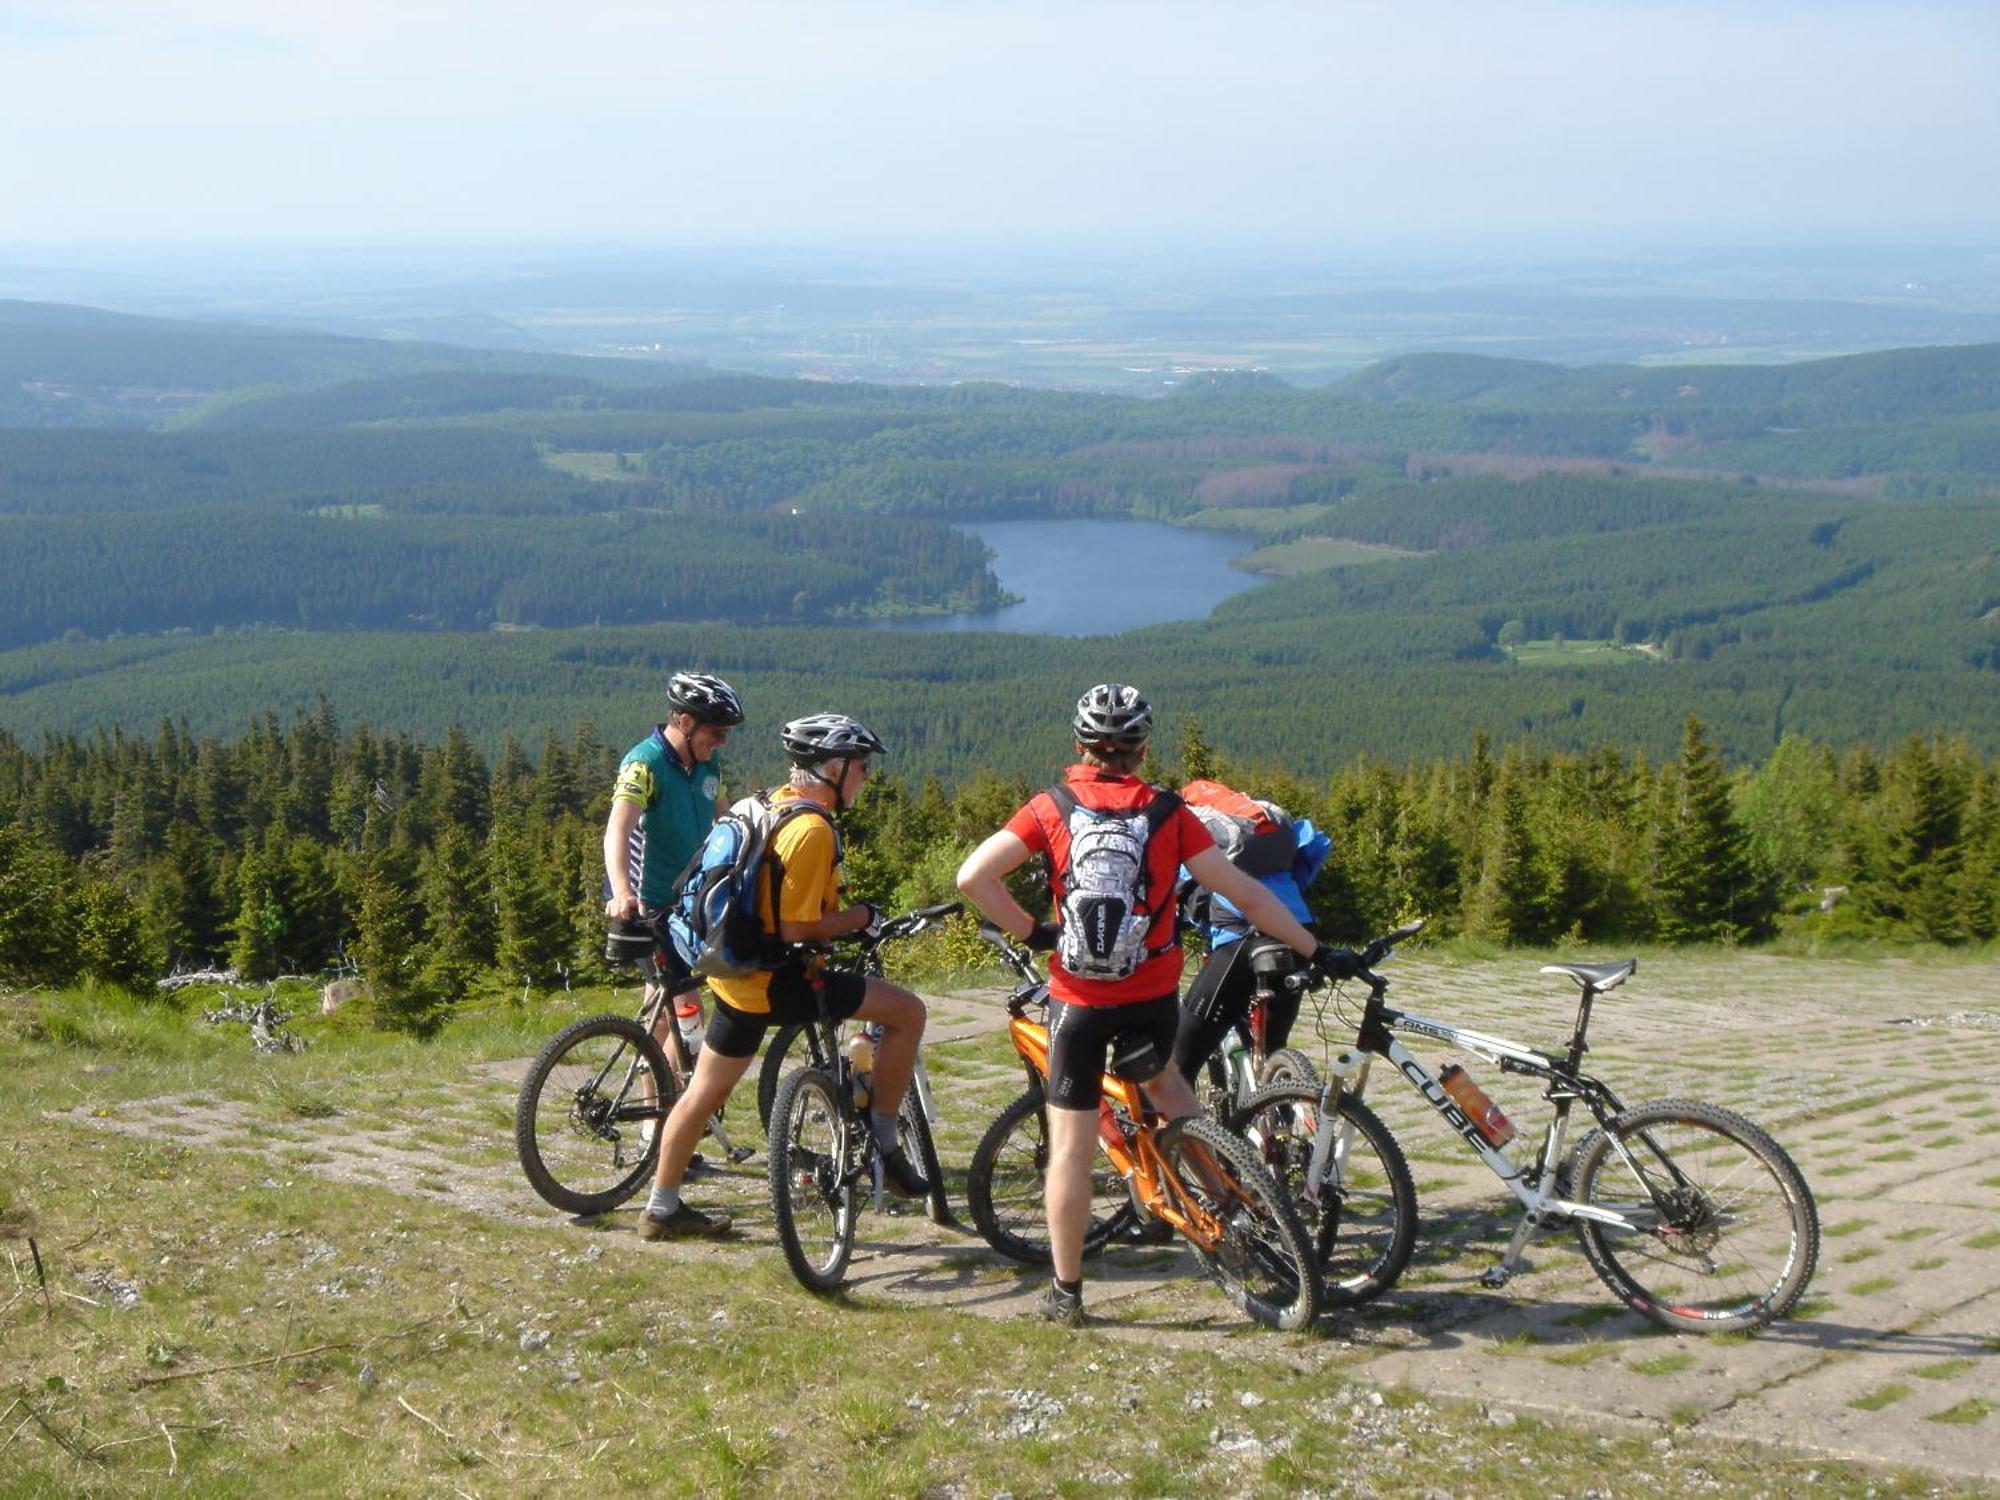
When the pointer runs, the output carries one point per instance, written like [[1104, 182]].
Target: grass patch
[[1554, 653], [1928, 1263], [1860, 1252], [1915, 1232], [1583, 1354], [1944, 1369], [1845, 1227], [1665, 1364], [1986, 1239], [1872, 1285], [1965, 1413], [1881, 1396]]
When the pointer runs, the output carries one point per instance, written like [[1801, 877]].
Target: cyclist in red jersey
[[1114, 844]]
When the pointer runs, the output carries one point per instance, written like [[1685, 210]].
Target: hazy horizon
[[1431, 130]]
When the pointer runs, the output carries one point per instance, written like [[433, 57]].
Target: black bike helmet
[[1112, 716], [709, 700], [823, 737]]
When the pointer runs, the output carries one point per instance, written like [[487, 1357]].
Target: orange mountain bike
[[1193, 1175]]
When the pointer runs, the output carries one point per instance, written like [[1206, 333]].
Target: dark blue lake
[[1098, 577]]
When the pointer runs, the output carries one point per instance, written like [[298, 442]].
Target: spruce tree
[[1704, 885], [533, 938], [388, 942], [457, 912], [259, 927]]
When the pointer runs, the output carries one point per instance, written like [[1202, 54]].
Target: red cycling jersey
[[1040, 825]]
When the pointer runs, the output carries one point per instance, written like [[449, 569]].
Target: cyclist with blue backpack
[[1114, 845], [792, 849]]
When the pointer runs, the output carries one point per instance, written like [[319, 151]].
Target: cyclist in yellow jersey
[[829, 754]]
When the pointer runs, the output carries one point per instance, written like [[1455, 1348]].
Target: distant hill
[[69, 366], [1891, 385]]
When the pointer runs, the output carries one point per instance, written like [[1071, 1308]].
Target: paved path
[[1882, 1079]]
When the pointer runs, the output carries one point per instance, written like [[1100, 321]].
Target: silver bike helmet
[[823, 737], [709, 700], [1112, 716]]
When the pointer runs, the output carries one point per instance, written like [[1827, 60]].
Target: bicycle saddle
[[1599, 977]]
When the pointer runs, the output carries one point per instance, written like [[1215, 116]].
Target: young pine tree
[[1704, 886]]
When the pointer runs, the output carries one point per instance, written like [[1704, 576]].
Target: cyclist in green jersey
[[662, 806]]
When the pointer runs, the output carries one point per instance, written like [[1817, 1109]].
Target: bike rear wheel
[[1264, 1262], [1724, 1233], [1004, 1187], [1287, 1065], [1363, 1227], [579, 1119], [812, 1179]]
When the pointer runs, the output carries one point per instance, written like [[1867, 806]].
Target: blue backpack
[[713, 922]]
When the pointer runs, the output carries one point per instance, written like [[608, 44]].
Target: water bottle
[[1479, 1109], [861, 1066], [687, 1016]]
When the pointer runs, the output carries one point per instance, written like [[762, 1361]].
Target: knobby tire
[[578, 1118], [1727, 1236]]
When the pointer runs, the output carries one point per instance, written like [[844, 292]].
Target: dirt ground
[[1878, 1076]]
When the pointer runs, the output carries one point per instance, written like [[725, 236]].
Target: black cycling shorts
[[1138, 1040], [794, 997], [1219, 999]]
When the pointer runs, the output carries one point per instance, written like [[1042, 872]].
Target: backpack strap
[[774, 867]]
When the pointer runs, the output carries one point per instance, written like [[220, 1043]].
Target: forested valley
[[1556, 654]]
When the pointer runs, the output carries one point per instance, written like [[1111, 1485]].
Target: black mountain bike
[[822, 1152], [586, 1123]]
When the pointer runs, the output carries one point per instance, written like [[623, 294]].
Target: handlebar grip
[[941, 910], [998, 936]]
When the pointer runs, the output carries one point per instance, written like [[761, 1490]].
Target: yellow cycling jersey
[[808, 851]]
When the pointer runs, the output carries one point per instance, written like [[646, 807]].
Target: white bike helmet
[[1112, 716]]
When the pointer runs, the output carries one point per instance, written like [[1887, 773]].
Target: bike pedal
[[1495, 1277]]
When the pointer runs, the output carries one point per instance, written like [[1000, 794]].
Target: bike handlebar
[[1378, 950], [909, 924], [1033, 988]]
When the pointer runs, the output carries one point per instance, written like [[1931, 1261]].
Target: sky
[[1294, 123]]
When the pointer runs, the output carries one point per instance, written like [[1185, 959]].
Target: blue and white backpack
[[713, 922]]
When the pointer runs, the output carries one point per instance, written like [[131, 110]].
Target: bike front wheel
[[1361, 1216], [782, 1053], [1720, 1231], [581, 1122], [921, 1145], [812, 1183], [1004, 1187], [1264, 1260]]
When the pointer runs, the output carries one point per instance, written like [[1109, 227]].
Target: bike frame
[[1566, 1087], [823, 1042], [1127, 1128], [654, 1003]]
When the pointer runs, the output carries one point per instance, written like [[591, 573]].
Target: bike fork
[[1348, 1075]]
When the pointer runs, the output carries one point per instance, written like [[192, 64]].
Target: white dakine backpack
[[1105, 908]]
